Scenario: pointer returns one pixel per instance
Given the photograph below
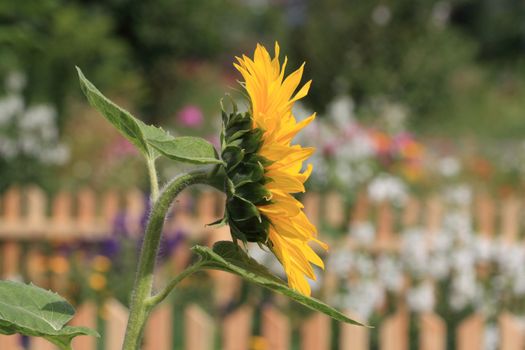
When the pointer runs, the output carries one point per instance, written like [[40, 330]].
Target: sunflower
[[264, 169]]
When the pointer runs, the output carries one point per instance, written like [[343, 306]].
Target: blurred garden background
[[418, 102]]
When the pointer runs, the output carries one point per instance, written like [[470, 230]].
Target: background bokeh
[[414, 98]]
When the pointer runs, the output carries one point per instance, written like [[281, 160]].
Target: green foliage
[[227, 256], [150, 140], [370, 49], [44, 39], [33, 311]]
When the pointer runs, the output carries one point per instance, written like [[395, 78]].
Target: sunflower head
[[245, 177], [264, 170]]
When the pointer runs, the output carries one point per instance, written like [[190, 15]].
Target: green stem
[[154, 181], [159, 297], [139, 307]]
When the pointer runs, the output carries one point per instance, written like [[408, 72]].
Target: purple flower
[[190, 116]]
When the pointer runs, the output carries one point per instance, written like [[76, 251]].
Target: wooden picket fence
[[29, 215]]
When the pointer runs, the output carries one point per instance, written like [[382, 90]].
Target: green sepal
[[233, 156], [254, 193], [248, 172], [241, 209]]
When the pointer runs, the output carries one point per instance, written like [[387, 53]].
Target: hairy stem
[[159, 297], [139, 307], [154, 181]]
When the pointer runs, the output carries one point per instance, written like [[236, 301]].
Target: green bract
[[245, 180]]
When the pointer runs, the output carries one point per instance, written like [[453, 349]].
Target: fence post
[[159, 329], [237, 329], [275, 329], [470, 333], [315, 333], [199, 330], [433, 332], [116, 319]]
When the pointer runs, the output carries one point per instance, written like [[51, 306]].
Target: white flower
[[10, 106], [459, 194], [340, 262], [15, 81], [414, 251], [421, 297], [381, 15], [362, 298], [387, 188], [449, 166], [363, 232], [491, 337], [390, 273], [341, 111]]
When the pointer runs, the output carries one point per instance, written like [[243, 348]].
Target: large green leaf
[[33, 311], [187, 149], [227, 256], [130, 127], [150, 140]]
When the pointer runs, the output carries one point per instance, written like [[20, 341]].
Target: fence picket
[[36, 343], [315, 333], [237, 329], [116, 318], [275, 329], [35, 219], [199, 329], [433, 332], [394, 331], [85, 316], [352, 337], [470, 333], [158, 334], [10, 342], [511, 332]]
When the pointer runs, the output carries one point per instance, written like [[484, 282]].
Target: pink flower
[[190, 116]]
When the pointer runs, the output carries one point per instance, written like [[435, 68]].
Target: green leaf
[[67, 334], [33, 311], [229, 257], [150, 140], [130, 127], [186, 149]]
